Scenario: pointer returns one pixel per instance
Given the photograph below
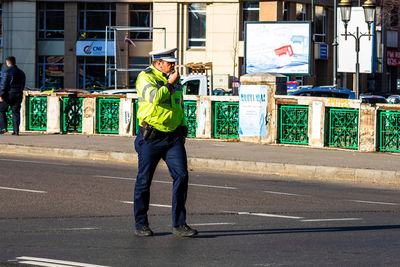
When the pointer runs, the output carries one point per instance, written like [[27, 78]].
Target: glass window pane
[[140, 6], [55, 20], [197, 21]]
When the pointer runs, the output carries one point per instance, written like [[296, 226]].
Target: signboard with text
[[393, 58], [94, 48], [252, 110]]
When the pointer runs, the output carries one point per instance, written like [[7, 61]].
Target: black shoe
[[3, 131], [14, 133], [144, 231], [184, 230]]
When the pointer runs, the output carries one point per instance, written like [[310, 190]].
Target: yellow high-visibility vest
[[157, 107]]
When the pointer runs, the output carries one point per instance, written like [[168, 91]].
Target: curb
[[304, 172]]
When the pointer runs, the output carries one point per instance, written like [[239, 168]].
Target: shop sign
[[94, 48], [393, 58]]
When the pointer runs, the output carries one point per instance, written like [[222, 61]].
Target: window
[[93, 19], [286, 11], [197, 25], [300, 12], [320, 24], [51, 20], [141, 15], [251, 11], [191, 87], [91, 73], [50, 72], [139, 64]]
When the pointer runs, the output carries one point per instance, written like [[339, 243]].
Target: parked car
[[372, 99], [325, 91], [393, 99]]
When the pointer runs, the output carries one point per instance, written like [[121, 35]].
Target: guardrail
[[315, 122]]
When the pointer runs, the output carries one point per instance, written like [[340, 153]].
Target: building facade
[[61, 44]]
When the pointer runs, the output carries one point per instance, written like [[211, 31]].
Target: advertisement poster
[[277, 47], [252, 110], [94, 48], [347, 49]]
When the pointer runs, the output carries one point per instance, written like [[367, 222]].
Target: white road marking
[[114, 177], [79, 229], [153, 205], [264, 215], [211, 224], [286, 194], [330, 220], [375, 202], [53, 263], [35, 162], [23, 190], [167, 182]]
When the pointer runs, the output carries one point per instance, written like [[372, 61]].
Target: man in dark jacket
[[11, 90]]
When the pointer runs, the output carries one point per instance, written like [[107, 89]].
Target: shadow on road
[[213, 234]]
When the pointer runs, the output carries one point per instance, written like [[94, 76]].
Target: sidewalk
[[295, 161]]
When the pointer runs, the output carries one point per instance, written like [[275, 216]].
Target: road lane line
[[35, 162], [375, 202], [114, 177], [166, 182], [40, 261], [23, 190], [264, 215], [153, 205], [286, 194], [211, 224], [331, 220], [79, 229], [43, 264]]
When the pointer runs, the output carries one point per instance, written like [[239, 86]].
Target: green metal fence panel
[[191, 117], [389, 131], [293, 124], [108, 115], [37, 113], [9, 118], [226, 121], [343, 128], [72, 114]]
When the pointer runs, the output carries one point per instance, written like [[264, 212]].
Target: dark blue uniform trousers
[[171, 149]]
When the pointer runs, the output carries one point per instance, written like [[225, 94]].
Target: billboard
[[281, 47], [347, 49]]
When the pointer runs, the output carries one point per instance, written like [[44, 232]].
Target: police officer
[[11, 90], [161, 135]]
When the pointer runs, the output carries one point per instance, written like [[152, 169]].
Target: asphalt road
[[67, 213]]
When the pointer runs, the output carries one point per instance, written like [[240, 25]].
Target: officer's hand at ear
[[174, 77]]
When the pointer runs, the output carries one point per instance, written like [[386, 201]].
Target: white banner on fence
[[316, 120], [252, 110]]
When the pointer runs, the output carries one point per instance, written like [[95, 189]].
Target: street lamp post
[[369, 13]]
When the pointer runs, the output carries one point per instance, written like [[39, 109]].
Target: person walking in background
[[11, 90], [161, 136]]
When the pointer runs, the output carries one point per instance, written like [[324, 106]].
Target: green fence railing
[[72, 114], [293, 124], [389, 130], [226, 120], [108, 115], [343, 128], [9, 118], [191, 117], [37, 113]]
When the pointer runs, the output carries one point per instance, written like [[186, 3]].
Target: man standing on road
[[161, 136], [11, 90]]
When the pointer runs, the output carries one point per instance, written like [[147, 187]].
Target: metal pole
[[357, 64], [105, 56], [335, 43], [115, 57]]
